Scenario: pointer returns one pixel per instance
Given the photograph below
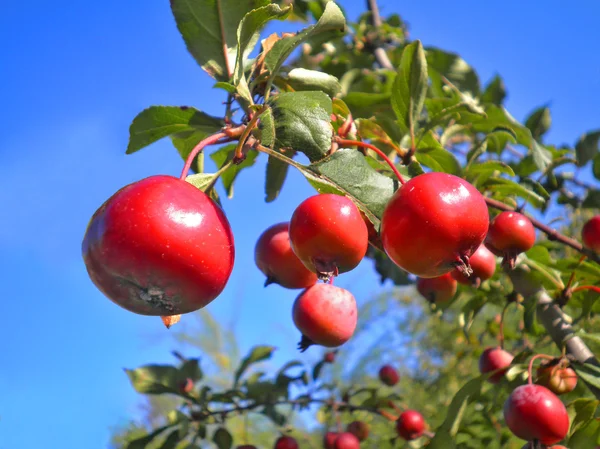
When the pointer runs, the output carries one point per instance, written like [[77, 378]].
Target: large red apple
[[533, 412], [159, 246]]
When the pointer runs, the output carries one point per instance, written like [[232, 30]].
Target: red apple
[[159, 246], [493, 359]]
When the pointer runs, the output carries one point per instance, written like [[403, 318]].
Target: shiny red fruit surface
[[325, 314], [329, 440], [534, 412], [591, 234], [434, 223], [328, 234], [483, 264], [388, 375], [510, 234], [346, 440], [410, 425], [286, 442], [159, 246], [438, 289], [493, 359], [274, 256]]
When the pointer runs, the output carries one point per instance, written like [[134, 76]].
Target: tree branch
[[552, 318], [552, 234], [341, 406], [380, 55]]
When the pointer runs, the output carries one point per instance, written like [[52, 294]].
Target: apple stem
[[530, 369], [387, 415], [376, 150], [239, 156], [210, 140], [586, 287]]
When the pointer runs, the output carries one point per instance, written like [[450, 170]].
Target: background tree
[[424, 109]]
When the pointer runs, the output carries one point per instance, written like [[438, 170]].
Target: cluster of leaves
[[204, 413], [427, 110]]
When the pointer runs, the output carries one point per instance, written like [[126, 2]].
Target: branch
[[552, 234], [552, 318], [341, 406], [379, 53]]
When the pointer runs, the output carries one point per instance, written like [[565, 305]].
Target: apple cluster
[[162, 247]]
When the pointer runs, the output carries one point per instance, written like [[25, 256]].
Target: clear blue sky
[[72, 79]]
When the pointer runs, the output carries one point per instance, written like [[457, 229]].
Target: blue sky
[[72, 80]]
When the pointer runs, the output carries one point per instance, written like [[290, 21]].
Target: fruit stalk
[[586, 287], [210, 140], [239, 156], [533, 359], [377, 150]]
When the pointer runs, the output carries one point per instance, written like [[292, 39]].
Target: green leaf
[[289, 365], [171, 441], [190, 369], [347, 171], [532, 326], [410, 86], [433, 155], [587, 147], [276, 174], [592, 200], [542, 158], [317, 369], [225, 154], [155, 379], [495, 92], [301, 122], [209, 29], [587, 434], [258, 354], [592, 337], [204, 182], [185, 142], [222, 438], [456, 409], [442, 110], [143, 442], [369, 129], [156, 122], [227, 87], [498, 118], [271, 412], [201, 180], [539, 122], [441, 440], [589, 373], [482, 171], [596, 166], [507, 187], [303, 79], [332, 23], [248, 29], [581, 412], [454, 69]]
